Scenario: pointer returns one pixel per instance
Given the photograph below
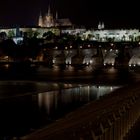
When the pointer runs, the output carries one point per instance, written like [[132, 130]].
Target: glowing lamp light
[[91, 61], [70, 46], [53, 61], [7, 66], [112, 44], [66, 48], [81, 47], [6, 56], [129, 65]]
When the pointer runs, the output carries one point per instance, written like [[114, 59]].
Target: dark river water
[[26, 106]]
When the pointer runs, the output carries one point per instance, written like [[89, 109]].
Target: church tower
[[40, 21], [56, 19], [49, 11], [49, 20], [99, 26], [103, 26], [56, 16]]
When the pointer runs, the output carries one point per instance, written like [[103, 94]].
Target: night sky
[[115, 14]]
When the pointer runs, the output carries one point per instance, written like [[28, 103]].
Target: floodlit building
[[106, 35], [49, 20]]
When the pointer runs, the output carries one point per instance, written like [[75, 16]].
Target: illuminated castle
[[49, 20]]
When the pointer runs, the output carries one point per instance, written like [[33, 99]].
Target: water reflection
[[22, 114], [58, 100]]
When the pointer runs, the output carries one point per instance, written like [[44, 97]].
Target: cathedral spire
[[40, 20], [103, 26], [99, 26], [56, 16], [49, 11]]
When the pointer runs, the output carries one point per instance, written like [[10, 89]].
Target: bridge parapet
[[110, 118]]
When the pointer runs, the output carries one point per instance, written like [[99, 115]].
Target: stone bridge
[[74, 56]]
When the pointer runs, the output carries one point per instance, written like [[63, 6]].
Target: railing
[[110, 118]]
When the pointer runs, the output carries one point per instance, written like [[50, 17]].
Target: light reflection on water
[[22, 114], [76, 96]]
